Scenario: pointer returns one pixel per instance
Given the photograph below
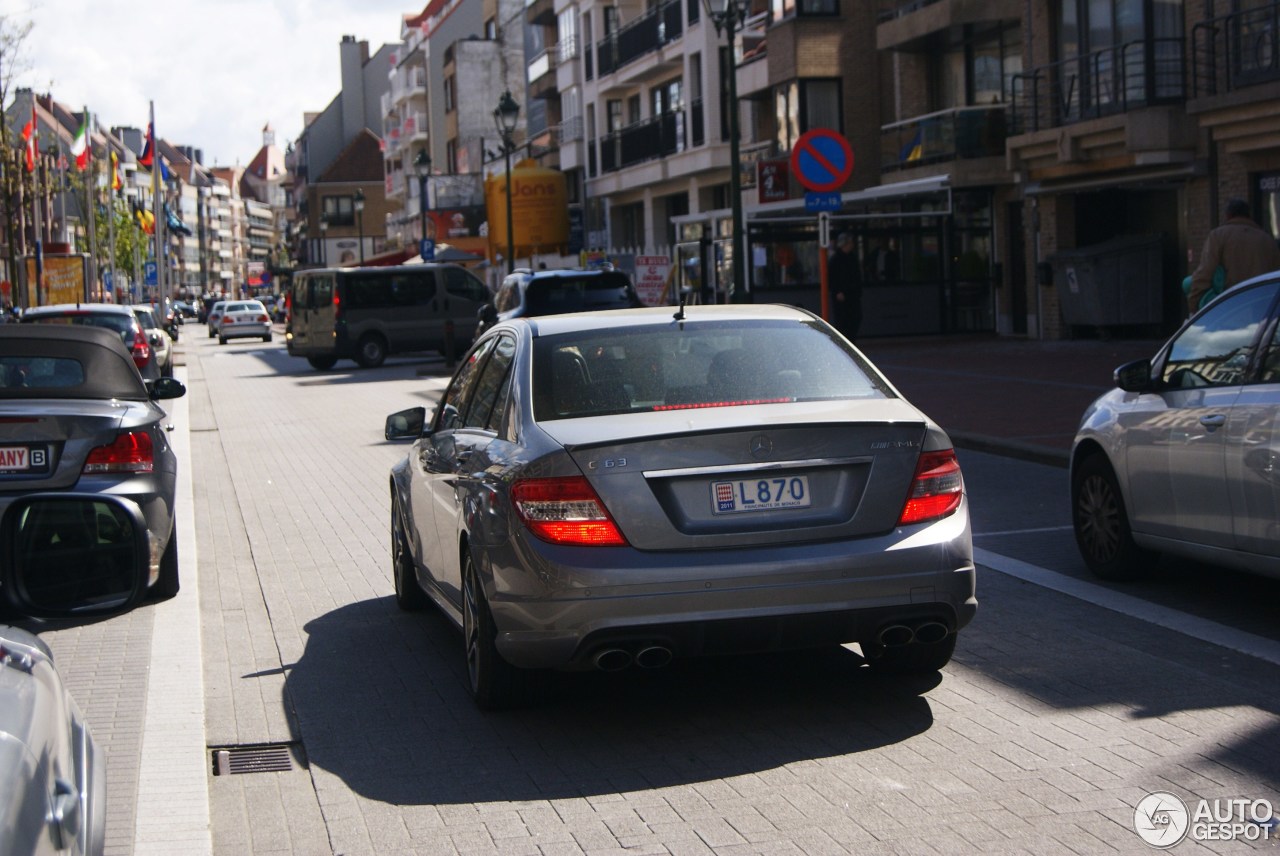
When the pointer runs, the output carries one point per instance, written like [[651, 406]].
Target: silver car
[[241, 319], [53, 774], [158, 337], [75, 415], [1183, 457], [608, 489]]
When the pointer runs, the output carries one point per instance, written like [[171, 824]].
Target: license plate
[[759, 494], [23, 459]]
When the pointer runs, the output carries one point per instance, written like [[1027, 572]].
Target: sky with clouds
[[216, 70]]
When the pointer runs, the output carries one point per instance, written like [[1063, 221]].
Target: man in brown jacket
[[1241, 246]]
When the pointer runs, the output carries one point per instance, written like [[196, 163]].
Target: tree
[[13, 36]]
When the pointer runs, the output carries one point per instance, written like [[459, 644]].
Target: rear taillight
[[141, 350], [936, 489], [130, 453], [264, 319], [565, 511]]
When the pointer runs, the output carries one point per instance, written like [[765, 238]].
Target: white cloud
[[216, 70]]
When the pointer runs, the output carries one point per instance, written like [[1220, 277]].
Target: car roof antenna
[[684, 295]]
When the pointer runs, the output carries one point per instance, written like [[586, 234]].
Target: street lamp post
[[359, 206], [505, 116], [324, 244], [728, 16], [422, 167]]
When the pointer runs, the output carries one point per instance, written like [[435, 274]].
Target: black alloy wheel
[[409, 594], [494, 683], [1102, 525]]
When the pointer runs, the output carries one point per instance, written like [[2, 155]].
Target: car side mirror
[[1135, 376], [406, 424], [73, 554], [166, 387]]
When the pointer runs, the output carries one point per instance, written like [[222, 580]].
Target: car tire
[[409, 593], [266, 338], [167, 585], [1101, 523], [915, 658], [322, 363], [371, 352], [494, 683]]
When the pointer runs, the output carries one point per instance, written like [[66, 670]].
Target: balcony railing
[[644, 35], [643, 141], [542, 64], [568, 131], [956, 134], [1234, 51], [567, 49], [1113, 80]]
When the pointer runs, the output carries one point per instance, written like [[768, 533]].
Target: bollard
[[448, 344]]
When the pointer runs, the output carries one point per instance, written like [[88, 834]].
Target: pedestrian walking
[[1241, 247], [844, 273]]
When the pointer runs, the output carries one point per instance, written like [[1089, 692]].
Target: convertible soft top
[[66, 361]]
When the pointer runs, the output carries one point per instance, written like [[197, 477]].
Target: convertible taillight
[[130, 453], [936, 489], [565, 511]]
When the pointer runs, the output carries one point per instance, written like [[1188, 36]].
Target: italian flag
[[80, 145]]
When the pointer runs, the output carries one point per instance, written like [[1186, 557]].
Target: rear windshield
[[122, 324], [558, 295], [29, 372], [250, 306], [707, 364]]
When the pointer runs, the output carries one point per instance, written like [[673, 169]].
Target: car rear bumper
[[243, 331], [732, 601]]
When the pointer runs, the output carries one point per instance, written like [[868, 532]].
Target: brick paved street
[[1056, 717]]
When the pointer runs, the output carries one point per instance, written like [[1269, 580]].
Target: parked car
[[213, 316], [75, 415], [157, 336], [67, 555], [119, 319], [552, 292], [241, 319], [604, 489], [365, 314], [1181, 458]]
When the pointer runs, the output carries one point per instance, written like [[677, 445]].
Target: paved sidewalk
[[1009, 396]]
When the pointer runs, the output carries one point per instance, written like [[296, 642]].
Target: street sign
[[824, 230], [150, 275], [427, 249], [822, 201], [822, 160]]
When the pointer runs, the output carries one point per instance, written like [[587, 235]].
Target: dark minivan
[[364, 314], [557, 292]]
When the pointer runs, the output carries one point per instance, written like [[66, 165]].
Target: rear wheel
[[1102, 524], [167, 586], [915, 658], [494, 683], [372, 352], [222, 340], [266, 338], [322, 363], [409, 594]]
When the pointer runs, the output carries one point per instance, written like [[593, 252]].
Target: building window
[[789, 8], [1118, 53], [803, 105], [491, 29], [339, 210], [449, 105]]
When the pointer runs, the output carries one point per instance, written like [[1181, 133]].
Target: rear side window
[[460, 283], [390, 290], [598, 372], [556, 295]]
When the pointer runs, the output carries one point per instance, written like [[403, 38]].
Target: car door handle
[[1216, 420]]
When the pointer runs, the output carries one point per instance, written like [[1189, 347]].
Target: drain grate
[[234, 760]]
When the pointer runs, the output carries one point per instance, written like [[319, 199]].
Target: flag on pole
[[117, 183], [31, 136], [148, 149], [80, 145]]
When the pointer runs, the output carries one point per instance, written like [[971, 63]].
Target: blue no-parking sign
[[822, 160]]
